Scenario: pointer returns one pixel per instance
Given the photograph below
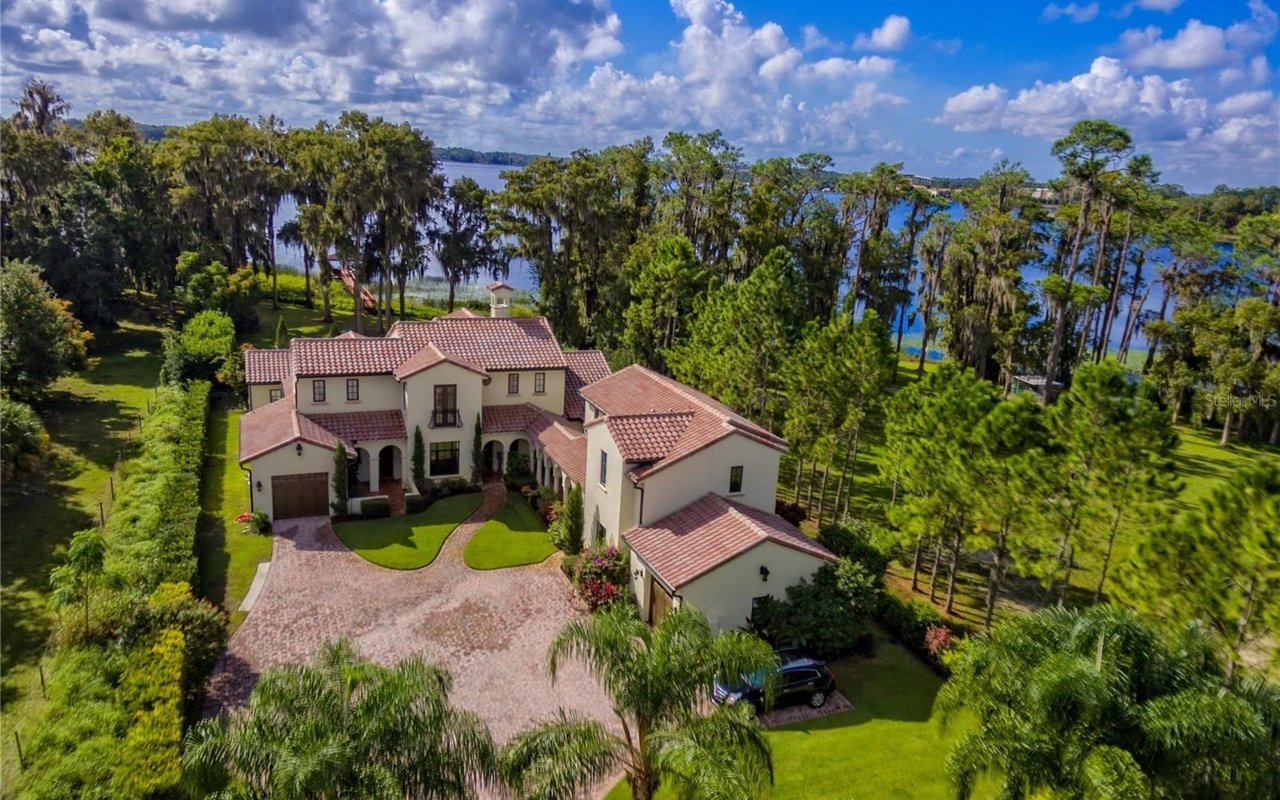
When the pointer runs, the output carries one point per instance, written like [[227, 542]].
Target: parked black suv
[[801, 678]]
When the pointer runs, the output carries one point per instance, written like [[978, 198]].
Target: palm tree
[[343, 727], [658, 680], [1092, 704]]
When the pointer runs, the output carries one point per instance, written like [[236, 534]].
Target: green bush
[[518, 466], [419, 462], [856, 541], [452, 486], [830, 615], [416, 503], [209, 286], [566, 529], [377, 508], [23, 439], [909, 624], [203, 349]]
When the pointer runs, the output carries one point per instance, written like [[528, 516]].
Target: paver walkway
[[490, 628]]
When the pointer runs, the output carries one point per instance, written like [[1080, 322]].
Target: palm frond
[[560, 757]]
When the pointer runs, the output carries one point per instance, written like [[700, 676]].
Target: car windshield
[[755, 680]]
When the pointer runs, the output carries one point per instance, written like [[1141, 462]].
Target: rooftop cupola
[[499, 299]]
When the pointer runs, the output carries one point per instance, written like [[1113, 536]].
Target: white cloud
[[815, 39], [1072, 11], [1199, 45], [1175, 120], [891, 35], [1165, 6]]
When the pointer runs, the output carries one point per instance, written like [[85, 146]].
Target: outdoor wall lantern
[[258, 485], [764, 573], [639, 572], [298, 449]]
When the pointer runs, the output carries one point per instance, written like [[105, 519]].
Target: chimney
[[499, 299]]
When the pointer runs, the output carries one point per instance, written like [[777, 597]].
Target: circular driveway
[[491, 628]]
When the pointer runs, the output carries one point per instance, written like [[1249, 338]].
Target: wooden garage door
[[300, 495], [659, 601]]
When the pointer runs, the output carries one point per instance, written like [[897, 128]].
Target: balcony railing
[[445, 418]]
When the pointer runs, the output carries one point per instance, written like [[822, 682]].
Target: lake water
[[521, 276]]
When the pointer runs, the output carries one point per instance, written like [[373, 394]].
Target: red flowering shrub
[[938, 640], [600, 576]]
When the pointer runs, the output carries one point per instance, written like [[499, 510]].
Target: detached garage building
[[720, 556]]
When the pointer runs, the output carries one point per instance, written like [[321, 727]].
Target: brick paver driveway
[[491, 629]]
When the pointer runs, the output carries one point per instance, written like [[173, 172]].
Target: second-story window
[[539, 383], [735, 480], [317, 391], [604, 468], [353, 388], [513, 383], [445, 411], [276, 394]]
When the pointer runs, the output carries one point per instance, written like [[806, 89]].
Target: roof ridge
[[686, 392], [751, 522]]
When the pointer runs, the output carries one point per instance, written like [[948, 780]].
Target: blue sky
[[945, 88]]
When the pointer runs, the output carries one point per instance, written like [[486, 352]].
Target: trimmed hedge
[[909, 623], [415, 504], [376, 508], [113, 724]]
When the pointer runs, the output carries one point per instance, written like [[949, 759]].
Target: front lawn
[[888, 745], [411, 541], [228, 557], [514, 537]]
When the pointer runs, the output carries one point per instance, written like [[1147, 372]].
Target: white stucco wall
[[377, 393], [495, 394], [708, 471], [419, 392], [286, 461], [260, 394], [616, 502], [724, 595]]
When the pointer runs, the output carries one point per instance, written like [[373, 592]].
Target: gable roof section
[[711, 531], [566, 446], [507, 419], [430, 356], [353, 356], [585, 367], [277, 424], [494, 343], [268, 366], [648, 437], [648, 403]]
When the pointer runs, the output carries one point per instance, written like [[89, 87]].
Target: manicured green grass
[[228, 557], [91, 416], [411, 541], [514, 537], [889, 745]]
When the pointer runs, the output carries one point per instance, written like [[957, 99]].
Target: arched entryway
[[390, 464], [494, 457]]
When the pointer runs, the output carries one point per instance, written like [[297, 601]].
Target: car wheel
[[817, 699]]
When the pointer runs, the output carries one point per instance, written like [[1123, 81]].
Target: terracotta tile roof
[[494, 343], [362, 426], [711, 531], [566, 446], [277, 424], [636, 392], [585, 367], [355, 356], [507, 419], [268, 366], [428, 357], [499, 285], [351, 335], [648, 437]]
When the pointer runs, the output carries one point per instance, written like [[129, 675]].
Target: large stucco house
[[681, 482]]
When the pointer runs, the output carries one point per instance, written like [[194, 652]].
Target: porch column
[[375, 466]]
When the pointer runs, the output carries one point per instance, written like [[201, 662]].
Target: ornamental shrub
[[416, 504], [202, 350], [377, 508], [419, 462], [23, 439], [830, 616], [600, 576]]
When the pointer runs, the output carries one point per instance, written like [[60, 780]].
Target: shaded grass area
[[514, 537], [227, 557], [411, 541], [889, 745], [91, 417]]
